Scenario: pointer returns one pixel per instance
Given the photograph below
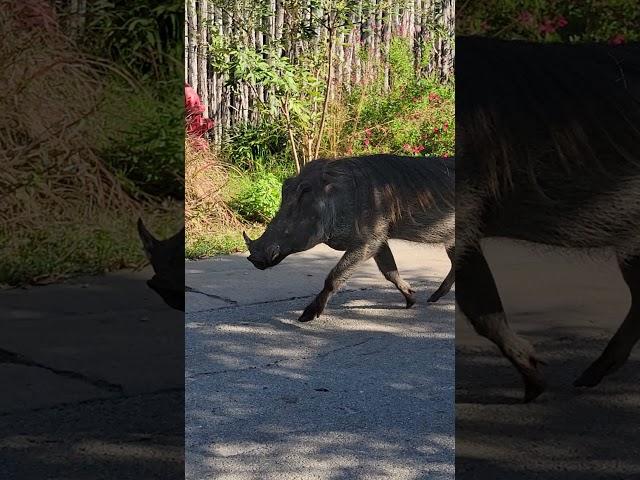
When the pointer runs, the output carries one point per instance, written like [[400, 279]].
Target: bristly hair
[[393, 186], [525, 111]]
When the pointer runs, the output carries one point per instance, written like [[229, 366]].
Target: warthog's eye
[[302, 189]]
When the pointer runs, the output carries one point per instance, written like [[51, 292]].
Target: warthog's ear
[[149, 242], [328, 182]]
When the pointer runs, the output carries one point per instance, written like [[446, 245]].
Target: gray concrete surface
[[568, 304], [363, 392], [92, 374]]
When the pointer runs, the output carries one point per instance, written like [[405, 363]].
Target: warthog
[[356, 205], [548, 151], [167, 260]]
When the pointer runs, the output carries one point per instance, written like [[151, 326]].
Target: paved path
[[363, 392], [568, 305]]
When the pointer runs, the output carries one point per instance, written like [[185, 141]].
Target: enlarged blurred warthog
[[548, 146], [167, 260], [356, 205]]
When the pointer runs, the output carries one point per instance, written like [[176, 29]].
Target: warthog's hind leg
[[336, 278], [619, 347], [387, 265], [478, 299], [449, 279]]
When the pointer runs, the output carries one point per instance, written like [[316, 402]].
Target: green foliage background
[[586, 20]]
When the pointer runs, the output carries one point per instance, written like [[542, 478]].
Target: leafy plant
[[146, 38], [259, 197], [296, 91], [255, 147], [551, 21], [142, 138]]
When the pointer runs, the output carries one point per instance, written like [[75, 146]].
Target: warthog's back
[[549, 144], [411, 198]]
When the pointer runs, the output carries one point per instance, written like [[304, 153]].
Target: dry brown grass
[[50, 173], [205, 208]]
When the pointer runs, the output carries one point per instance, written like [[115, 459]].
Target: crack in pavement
[[278, 300], [277, 362], [18, 359], [89, 401], [210, 295]]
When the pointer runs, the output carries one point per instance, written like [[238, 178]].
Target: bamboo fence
[[357, 54]]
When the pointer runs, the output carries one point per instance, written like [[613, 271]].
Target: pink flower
[[618, 39], [561, 21], [525, 17], [196, 123], [445, 155], [367, 142], [445, 127], [418, 149], [547, 26], [406, 147], [349, 150]]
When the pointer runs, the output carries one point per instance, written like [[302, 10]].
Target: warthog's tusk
[[247, 240]]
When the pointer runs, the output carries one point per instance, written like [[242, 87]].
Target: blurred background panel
[[92, 139], [547, 172]]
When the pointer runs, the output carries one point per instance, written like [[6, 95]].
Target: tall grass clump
[[206, 177], [64, 209], [50, 173], [212, 226]]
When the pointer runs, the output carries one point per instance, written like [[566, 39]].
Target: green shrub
[[142, 137], [417, 117], [256, 147], [401, 63], [551, 21], [258, 197]]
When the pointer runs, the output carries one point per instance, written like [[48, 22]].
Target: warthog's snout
[[263, 258], [272, 257]]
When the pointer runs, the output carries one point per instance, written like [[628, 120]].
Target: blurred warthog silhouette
[[548, 151], [167, 260]]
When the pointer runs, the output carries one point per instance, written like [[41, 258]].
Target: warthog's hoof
[[310, 313], [408, 296], [593, 375]]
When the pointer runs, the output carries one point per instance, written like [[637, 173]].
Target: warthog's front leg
[[477, 297], [449, 279], [619, 347], [336, 278], [387, 265]]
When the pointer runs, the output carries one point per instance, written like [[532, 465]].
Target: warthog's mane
[[530, 113], [389, 185]]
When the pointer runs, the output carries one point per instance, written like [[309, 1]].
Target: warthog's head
[[303, 221], [167, 260]]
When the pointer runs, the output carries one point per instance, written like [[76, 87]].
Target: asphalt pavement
[[92, 381], [366, 391]]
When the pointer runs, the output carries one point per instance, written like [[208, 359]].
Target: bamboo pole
[[203, 80]]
